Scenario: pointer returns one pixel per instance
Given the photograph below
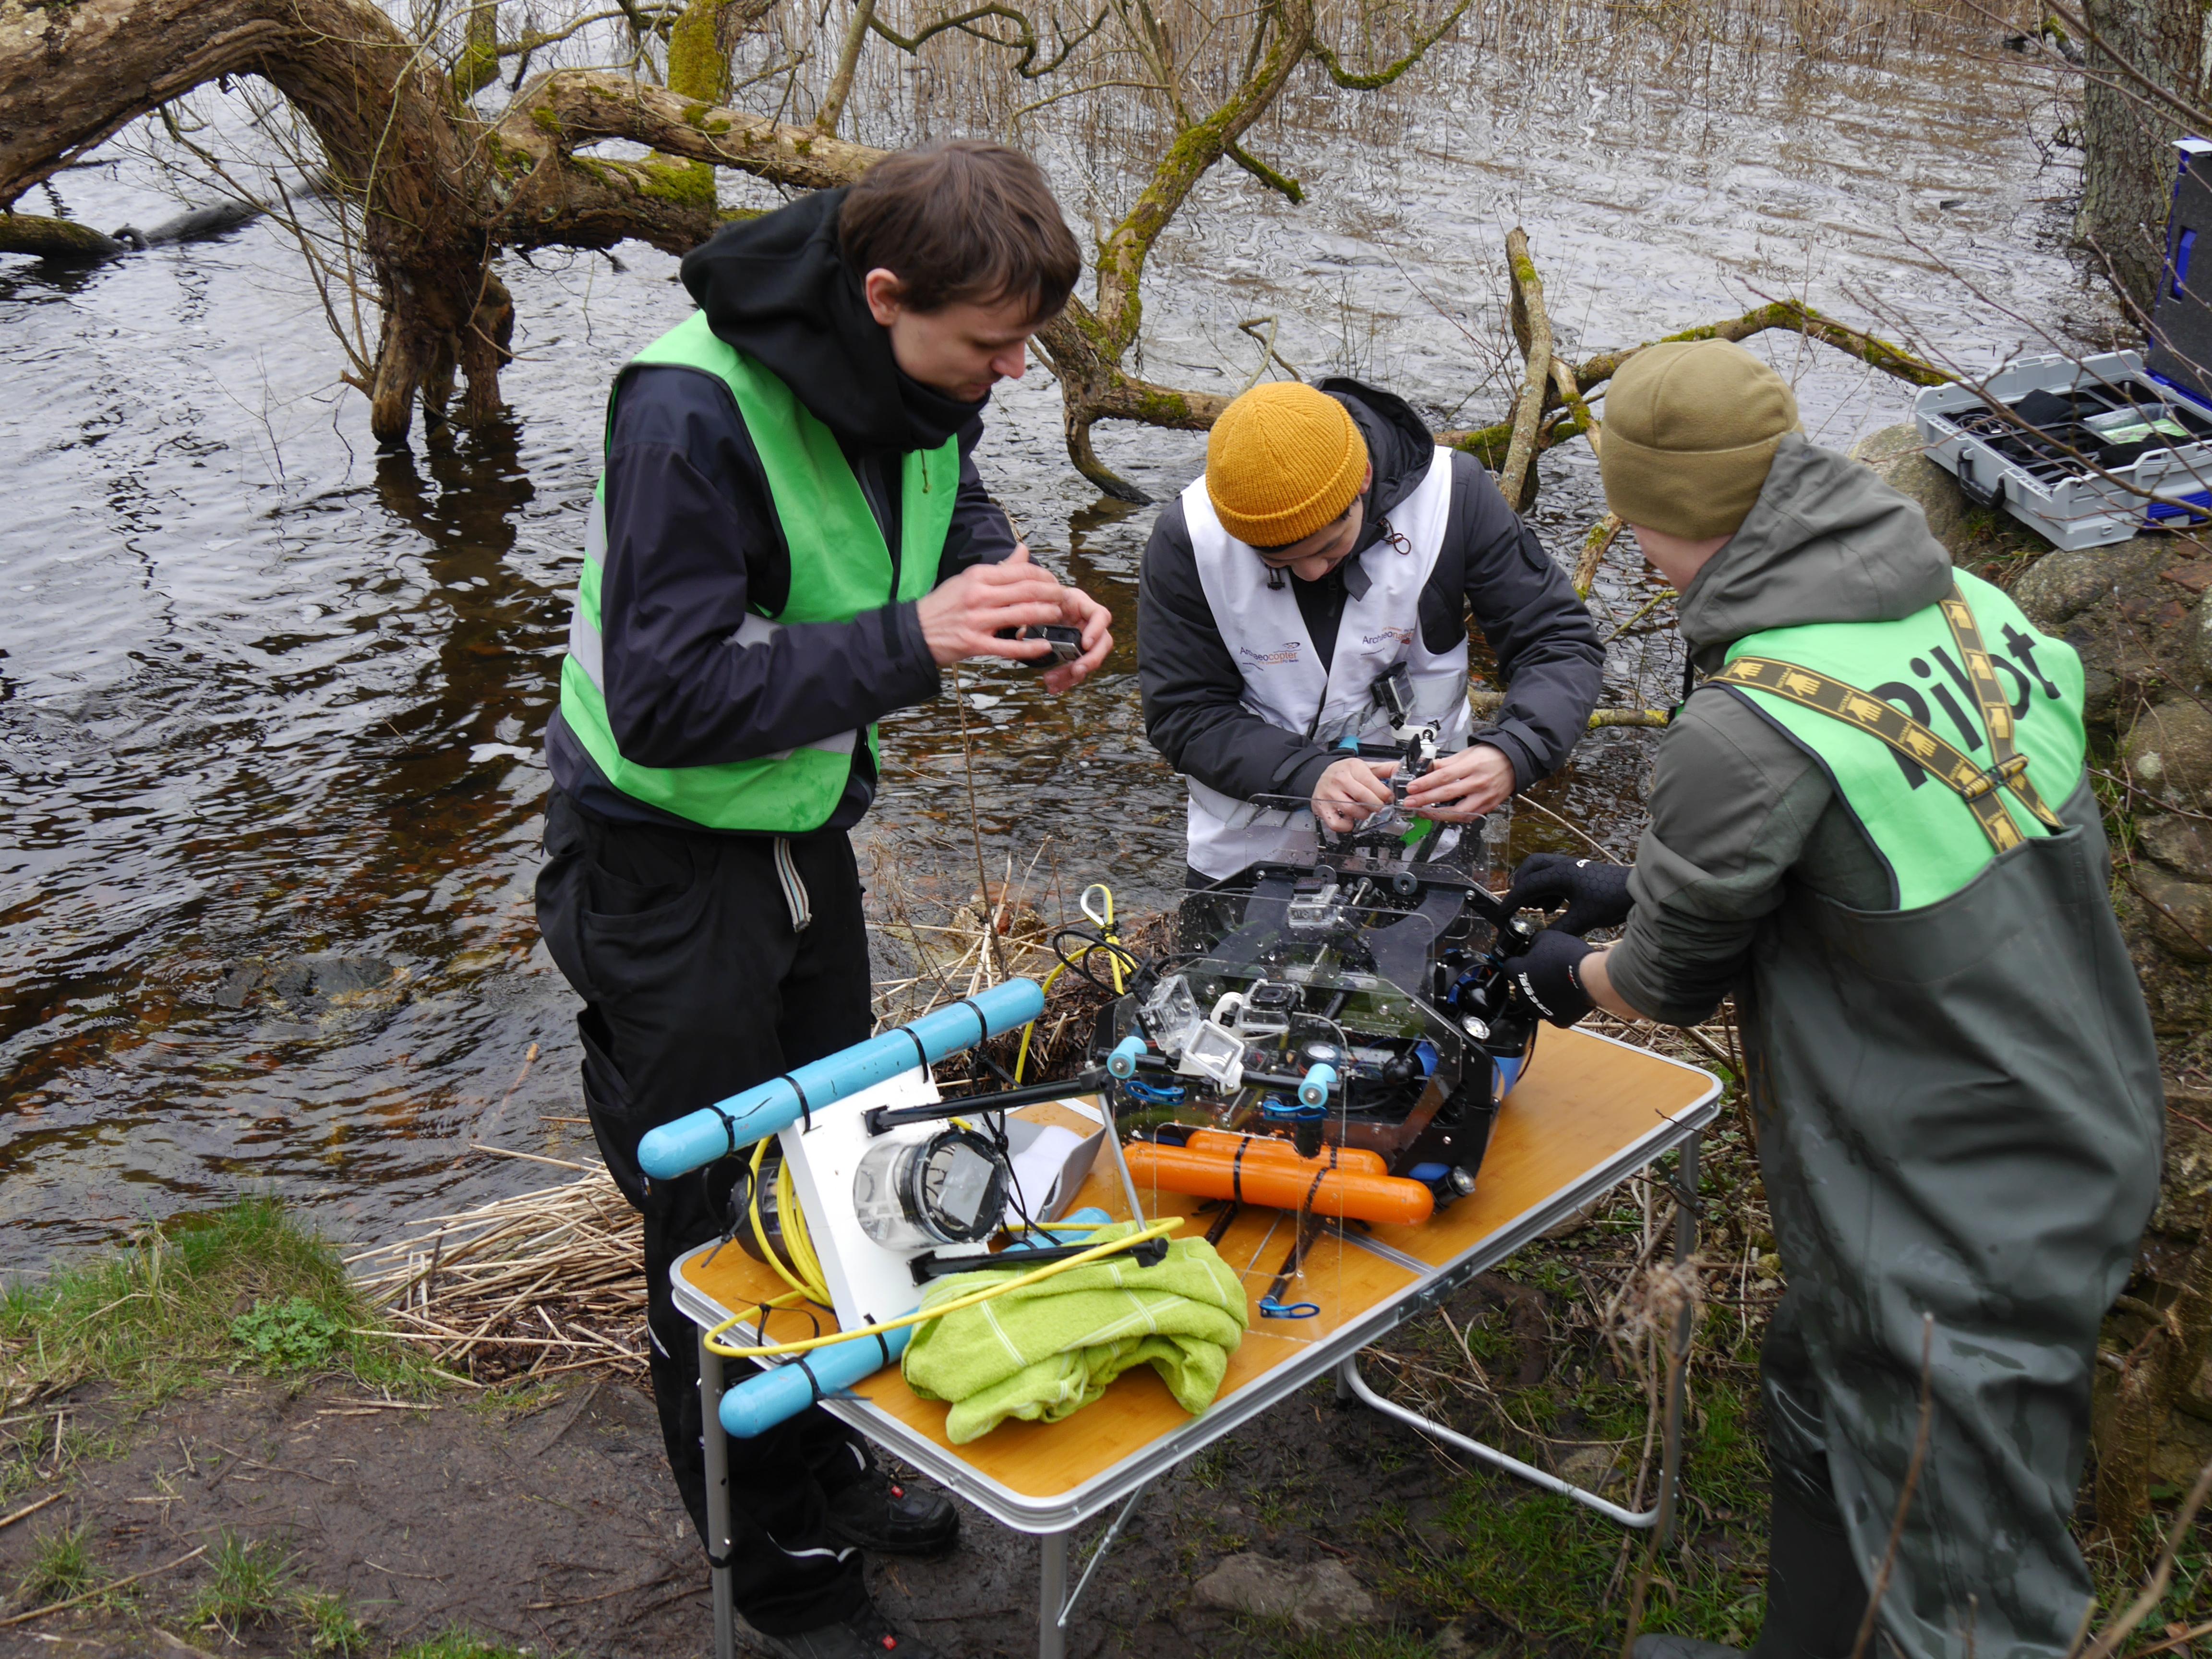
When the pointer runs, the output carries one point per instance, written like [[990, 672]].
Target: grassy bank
[[243, 1287]]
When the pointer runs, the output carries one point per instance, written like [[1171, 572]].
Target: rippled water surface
[[270, 704]]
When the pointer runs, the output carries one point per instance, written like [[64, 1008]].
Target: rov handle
[[1315, 1089], [1122, 1062], [754, 1114]]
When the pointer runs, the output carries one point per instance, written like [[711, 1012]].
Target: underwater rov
[[1376, 959], [1332, 1036]]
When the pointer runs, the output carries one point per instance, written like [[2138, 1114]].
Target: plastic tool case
[[2144, 418]]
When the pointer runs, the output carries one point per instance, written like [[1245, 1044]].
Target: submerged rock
[[310, 987]]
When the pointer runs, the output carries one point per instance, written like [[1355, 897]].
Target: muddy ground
[[552, 1525]]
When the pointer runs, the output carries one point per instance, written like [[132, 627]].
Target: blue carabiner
[[1152, 1095], [1271, 1309]]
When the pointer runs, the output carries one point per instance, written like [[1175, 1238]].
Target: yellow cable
[[1022, 1058], [806, 1283], [1113, 966], [1159, 1229]]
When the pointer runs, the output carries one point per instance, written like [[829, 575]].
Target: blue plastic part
[[1425, 1052], [1271, 1309], [753, 1113], [1428, 1172], [1509, 1073], [760, 1402], [1315, 1090], [1151, 1095], [1276, 1109], [1122, 1062]]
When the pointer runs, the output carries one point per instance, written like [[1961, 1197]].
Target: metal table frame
[[1051, 1520]]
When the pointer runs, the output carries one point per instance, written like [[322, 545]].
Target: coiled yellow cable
[[805, 1273]]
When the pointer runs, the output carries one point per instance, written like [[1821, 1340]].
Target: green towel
[[1049, 1349]]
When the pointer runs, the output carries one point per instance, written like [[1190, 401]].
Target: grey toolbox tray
[[2144, 419]]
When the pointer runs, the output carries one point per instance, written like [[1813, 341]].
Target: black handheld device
[[1066, 643]]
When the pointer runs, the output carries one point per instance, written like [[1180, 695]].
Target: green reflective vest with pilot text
[[840, 567], [1922, 826]]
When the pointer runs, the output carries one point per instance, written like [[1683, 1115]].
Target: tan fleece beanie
[[1282, 461], [1691, 429]]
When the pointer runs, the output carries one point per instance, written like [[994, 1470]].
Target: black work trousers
[[697, 985]]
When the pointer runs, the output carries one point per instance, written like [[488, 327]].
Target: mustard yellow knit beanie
[[1283, 460], [1691, 429]]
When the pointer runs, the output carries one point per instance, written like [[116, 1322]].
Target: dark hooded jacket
[[1492, 564], [1958, 1105], [693, 543]]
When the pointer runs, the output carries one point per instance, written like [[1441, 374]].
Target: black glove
[[1596, 895], [1545, 977]]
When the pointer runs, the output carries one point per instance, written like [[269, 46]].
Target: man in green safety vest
[[1871, 823], [788, 541]]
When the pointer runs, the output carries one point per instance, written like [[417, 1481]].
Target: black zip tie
[[805, 1111], [1306, 1208], [982, 1025], [1236, 1171], [813, 1383], [920, 1054]]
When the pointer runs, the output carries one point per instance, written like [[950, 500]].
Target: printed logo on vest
[[1286, 651], [1402, 635]]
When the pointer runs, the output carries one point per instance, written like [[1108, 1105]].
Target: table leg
[[717, 1446], [1678, 1358], [1052, 1594], [1354, 1386]]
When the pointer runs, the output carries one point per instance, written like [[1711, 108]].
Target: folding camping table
[[1589, 1113]]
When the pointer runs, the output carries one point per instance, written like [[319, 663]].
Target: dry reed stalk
[[568, 1259]]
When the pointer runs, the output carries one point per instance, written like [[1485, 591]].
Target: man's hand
[[1547, 975], [1350, 791], [1078, 610], [1595, 893], [1462, 787], [961, 618]]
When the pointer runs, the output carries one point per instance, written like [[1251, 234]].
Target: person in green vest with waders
[[1871, 823], [788, 541]]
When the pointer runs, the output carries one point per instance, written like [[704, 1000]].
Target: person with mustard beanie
[[1871, 824], [1329, 544]]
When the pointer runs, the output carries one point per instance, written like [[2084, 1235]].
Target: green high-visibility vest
[[840, 568], [1922, 828]]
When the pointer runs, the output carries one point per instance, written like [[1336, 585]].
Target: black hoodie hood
[[777, 288], [1399, 448]]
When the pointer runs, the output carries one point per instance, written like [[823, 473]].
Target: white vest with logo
[[1284, 684]]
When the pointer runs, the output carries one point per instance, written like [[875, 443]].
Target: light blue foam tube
[[1314, 1092], [761, 1110], [759, 1403], [1122, 1062]]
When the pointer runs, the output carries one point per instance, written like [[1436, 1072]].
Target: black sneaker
[[883, 1516], [867, 1635]]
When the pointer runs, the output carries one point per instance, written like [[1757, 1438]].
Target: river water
[[271, 703]]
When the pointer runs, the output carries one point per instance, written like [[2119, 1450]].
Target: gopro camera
[[1066, 643]]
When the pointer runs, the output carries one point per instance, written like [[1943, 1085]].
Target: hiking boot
[[891, 1518], [1680, 1647], [867, 1635]]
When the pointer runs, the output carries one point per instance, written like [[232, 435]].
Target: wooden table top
[[1583, 1105]]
